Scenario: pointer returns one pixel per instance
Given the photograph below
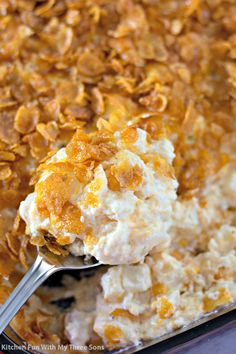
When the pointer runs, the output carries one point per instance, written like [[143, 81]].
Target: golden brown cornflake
[[38, 241], [103, 124], [49, 131], [13, 243], [5, 171], [7, 156], [95, 146], [70, 222], [7, 104], [129, 135], [7, 132], [75, 111], [67, 92], [7, 264], [123, 175], [54, 247], [52, 109], [2, 145], [23, 252], [157, 102], [39, 146], [10, 198], [154, 126], [89, 64], [53, 194], [76, 149], [97, 101], [44, 8], [20, 150], [118, 111], [26, 119], [85, 172], [64, 39], [57, 167], [161, 166]]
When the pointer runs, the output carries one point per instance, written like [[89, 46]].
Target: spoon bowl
[[45, 265], [67, 262]]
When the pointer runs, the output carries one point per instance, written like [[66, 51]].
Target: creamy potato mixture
[[118, 141], [119, 211], [172, 287]]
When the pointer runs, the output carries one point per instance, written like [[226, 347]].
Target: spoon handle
[[36, 275]]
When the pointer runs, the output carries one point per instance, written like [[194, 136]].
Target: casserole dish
[[138, 95]]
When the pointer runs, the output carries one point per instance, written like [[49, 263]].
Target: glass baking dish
[[13, 343]]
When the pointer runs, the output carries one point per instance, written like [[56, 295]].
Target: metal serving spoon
[[45, 264]]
